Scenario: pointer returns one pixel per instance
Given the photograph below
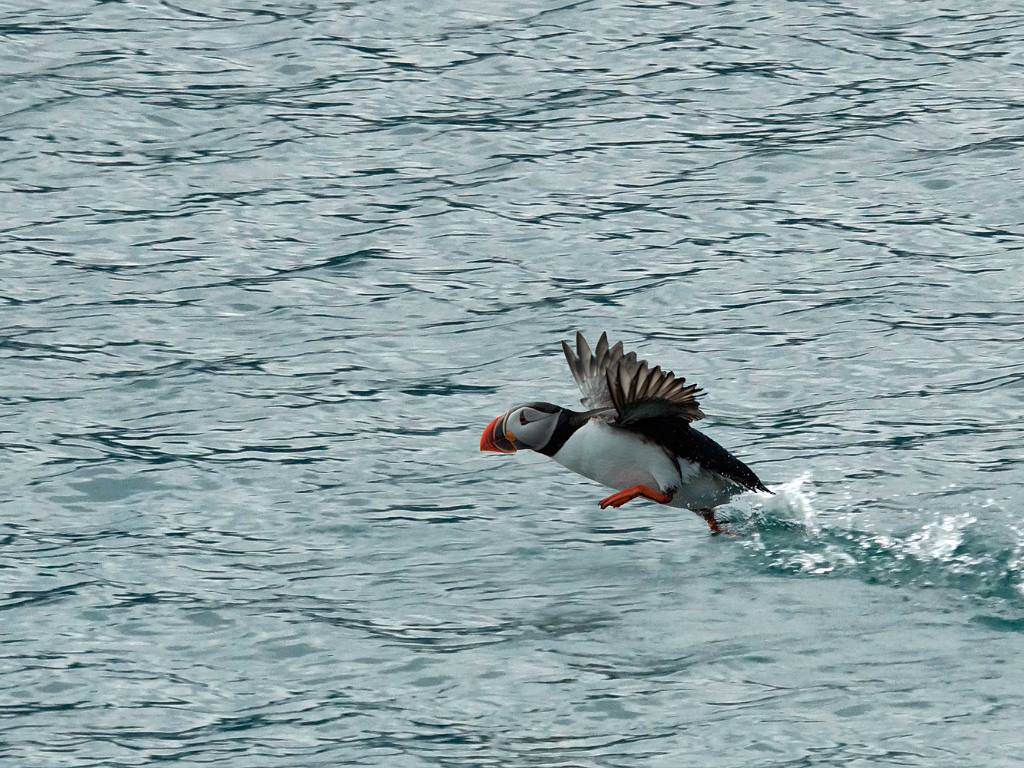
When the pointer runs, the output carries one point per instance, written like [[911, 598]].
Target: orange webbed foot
[[709, 518], [620, 498], [714, 526]]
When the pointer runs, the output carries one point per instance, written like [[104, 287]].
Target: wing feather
[[643, 393], [602, 348], [588, 368], [609, 377]]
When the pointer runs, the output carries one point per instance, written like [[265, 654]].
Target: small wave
[[958, 550]]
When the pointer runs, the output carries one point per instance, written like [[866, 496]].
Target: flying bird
[[635, 436]]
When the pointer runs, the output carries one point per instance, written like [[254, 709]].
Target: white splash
[[819, 563], [1016, 564], [939, 540], [793, 500]]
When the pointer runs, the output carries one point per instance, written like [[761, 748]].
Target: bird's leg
[[709, 518], [620, 498]]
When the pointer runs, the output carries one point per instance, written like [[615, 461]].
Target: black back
[[677, 437]]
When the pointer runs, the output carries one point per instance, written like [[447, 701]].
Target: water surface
[[268, 268]]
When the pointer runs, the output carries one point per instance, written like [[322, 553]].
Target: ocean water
[[268, 268]]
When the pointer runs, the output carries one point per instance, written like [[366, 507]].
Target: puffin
[[635, 436]]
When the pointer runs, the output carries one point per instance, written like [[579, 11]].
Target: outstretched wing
[[641, 392], [589, 368], [608, 377]]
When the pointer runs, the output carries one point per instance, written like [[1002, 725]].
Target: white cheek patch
[[535, 434]]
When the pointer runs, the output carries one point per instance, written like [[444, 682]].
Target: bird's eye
[[522, 418]]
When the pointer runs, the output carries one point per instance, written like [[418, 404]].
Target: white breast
[[617, 458], [620, 459]]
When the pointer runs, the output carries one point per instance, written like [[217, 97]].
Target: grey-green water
[[268, 269]]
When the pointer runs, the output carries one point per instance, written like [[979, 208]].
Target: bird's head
[[523, 426]]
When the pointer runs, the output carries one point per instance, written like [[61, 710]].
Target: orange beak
[[493, 438]]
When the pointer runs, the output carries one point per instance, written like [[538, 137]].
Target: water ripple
[[269, 267]]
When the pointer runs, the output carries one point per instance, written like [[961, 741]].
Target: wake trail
[[962, 550]]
